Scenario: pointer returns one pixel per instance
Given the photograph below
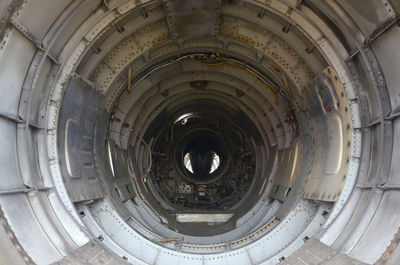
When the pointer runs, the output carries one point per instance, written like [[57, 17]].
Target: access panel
[[77, 118]]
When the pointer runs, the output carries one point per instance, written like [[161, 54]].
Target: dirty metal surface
[[329, 113], [192, 18], [76, 128], [90, 254], [314, 252]]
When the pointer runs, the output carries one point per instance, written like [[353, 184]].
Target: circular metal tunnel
[[199, 132]]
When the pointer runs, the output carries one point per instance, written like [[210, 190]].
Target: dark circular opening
[[201, 159], [203, 156], [187, 161]]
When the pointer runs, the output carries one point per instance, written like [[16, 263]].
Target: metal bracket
[[15, 190], [11, 117], [375, 34]]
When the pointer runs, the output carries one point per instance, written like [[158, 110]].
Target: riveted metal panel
[[50, 223], [32, 238], [368, 19], [385, 49], [333, 230], [303, 238], [75, 134], [91, 253], [15, 56], [280, 54], [332, 138], [86, 9], [33, 90], [45, 13], [394, 176], [392, 254], [379, 169], [129, 5], [103, 220], [8, 251], [106, 44], [127, 51], [384, 225], [366, 205], [274, 241], [10, 177], [315, 252], [4, 5], [192, 18]]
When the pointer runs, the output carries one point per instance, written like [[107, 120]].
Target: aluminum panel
[[10, 177], [117, 230], [287, 164], [108, 43], [15, 57], [384, 225], [4, 5], [8, 250], [45, 13], [395, 5], [332, 139], [76, 140], [122, 179], [125, 52], [192, 18], [394, 176], [350, 236], [332, 231], [385, 49], [314, 252], [86, 9], [91, 253], [368, 19], [32, 238], [34, 89]]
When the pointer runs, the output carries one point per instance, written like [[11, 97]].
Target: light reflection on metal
[[301, 20], [203, 218], [110, 160]]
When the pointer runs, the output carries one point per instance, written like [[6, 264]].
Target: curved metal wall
[[42, 43]]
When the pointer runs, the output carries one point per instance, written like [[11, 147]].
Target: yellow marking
[[129, 79], [170, 239], [294, 163]]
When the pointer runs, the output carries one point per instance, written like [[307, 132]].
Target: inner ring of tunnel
[[177, 138], [164, 117], [202, 156]]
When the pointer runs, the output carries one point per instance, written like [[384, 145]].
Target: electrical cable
[[223, 62]]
